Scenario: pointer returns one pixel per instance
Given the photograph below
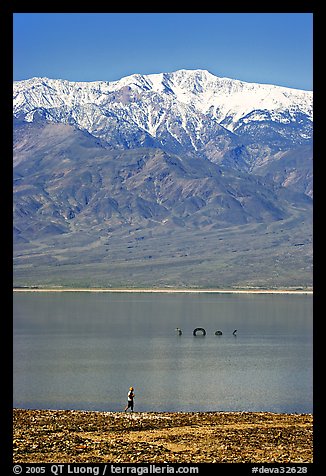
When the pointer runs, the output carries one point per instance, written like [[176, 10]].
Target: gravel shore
[[65, 436]]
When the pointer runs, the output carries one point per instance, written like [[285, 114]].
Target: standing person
[[131, 397]]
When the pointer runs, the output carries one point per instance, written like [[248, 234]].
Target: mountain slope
[[291, 169], [87, 215]]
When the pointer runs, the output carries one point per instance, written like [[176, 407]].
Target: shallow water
[[84, 351]]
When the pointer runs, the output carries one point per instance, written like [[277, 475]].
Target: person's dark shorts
[[130, 404]]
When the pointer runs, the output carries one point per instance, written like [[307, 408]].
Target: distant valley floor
[[256, 256]]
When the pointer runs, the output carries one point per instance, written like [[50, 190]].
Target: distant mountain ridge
[[188, 110], [226, 100], [177, 178]]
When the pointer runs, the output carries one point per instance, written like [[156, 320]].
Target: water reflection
[[84, 351]]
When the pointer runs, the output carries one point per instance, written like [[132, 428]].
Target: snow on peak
[[220, 96], [137, 97]]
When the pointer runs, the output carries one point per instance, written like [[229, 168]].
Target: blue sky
[[274, 48]]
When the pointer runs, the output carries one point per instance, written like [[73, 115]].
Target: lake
[[79, 350]]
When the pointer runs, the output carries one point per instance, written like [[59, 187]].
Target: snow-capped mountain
[[187, 110], [112, 184]]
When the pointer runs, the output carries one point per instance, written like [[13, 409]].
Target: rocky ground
[[62, 436]]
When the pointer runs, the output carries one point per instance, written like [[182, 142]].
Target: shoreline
[[76, 436], [54, 289]]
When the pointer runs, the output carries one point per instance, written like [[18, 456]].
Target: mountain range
[[172, 179]]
